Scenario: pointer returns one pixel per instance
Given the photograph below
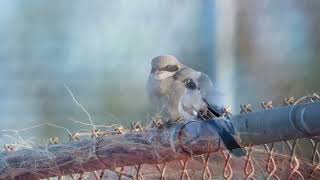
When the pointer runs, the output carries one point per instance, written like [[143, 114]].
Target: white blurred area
[[253, 51], [226, 49]]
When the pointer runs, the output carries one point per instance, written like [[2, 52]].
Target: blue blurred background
[[254, 51]]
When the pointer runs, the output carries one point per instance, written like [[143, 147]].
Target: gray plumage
[[200, 98], [163, 89], [167, 89], [179, 92]]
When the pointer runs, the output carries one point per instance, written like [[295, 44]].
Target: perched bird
[[179, 92], [168, 82]]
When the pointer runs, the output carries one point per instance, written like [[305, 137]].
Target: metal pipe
[[279, 124]]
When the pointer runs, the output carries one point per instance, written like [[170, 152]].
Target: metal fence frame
[[179, 143]]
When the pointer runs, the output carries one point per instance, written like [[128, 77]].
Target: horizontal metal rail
[[278, 124]]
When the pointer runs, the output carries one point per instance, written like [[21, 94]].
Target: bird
[[180, 92], [168, 81]]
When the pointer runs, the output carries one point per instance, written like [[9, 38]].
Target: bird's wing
[[205, 93], [214, 98]]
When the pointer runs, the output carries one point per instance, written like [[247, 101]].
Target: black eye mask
[[170, 68]]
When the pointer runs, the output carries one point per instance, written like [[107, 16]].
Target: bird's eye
[[170, 68]]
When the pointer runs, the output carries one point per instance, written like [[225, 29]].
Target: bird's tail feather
[[238, 152], [231, 144], [228, 140]]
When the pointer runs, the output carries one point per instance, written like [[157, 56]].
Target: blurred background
[[254, 51]]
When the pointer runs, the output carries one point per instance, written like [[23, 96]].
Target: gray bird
[[167, 84], [179, 92]]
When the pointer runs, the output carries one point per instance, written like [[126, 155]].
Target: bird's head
[[164, 66]]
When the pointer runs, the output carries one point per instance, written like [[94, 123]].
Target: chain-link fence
[[179, 152]]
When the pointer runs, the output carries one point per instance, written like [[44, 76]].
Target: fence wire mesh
[[295, 159]]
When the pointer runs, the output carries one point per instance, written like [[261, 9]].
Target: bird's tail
[[238, 152], [228, 140]]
